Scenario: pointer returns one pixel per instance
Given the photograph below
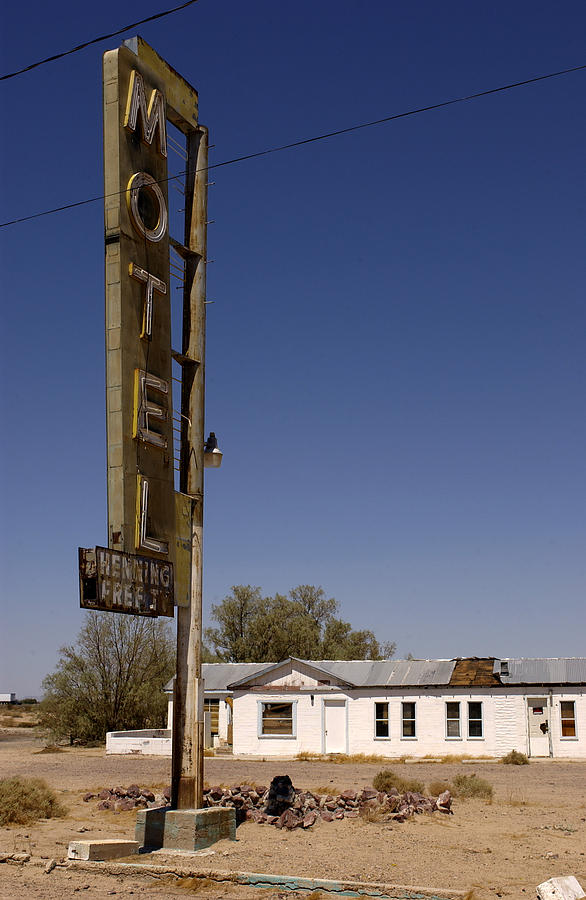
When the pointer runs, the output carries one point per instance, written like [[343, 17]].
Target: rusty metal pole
[[188, 707]]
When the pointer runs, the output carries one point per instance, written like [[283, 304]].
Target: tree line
[[303, 623], [111, 678]]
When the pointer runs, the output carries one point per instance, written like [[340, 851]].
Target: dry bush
[[514, 758], [460, 757], [438, 787], [24, 800], [387, 779], [341, 758], [471, 786], [330, 790]]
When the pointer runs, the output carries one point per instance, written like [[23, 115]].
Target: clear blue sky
[[395, 367]]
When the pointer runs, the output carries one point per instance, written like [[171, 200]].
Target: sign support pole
[[188, 706]]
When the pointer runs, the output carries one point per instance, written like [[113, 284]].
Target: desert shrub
[[24, 800], [514, 758], [471, 786], [438, 787], [330, 790], [387, 779]]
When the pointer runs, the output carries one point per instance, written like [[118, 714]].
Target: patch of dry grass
[[438, 787], [50, 748], [387, 779], [471, 786], [514, 758], [452, 758], [328, 789], [24, 800], [343, 758]]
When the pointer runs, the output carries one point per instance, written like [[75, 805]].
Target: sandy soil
[[534, 829]]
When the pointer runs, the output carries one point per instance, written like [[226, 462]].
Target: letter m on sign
[[150, 118]]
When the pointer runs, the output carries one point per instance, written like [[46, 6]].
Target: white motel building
[[417, 707]]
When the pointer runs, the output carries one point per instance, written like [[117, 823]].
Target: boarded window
[[213, 707], [568, 713], [277, 718], [408, 720], [381, 720], [475, 719], [452, 719]]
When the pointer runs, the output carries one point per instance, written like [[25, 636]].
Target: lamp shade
[[212, 455]]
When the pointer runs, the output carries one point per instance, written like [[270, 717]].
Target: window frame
[[404, 720], [211, 705], [386, 718], [568, 737], [279, 737], [475, 737], [454, 737]]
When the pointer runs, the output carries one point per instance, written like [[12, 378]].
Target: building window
[[277, 720], [213, 707], [381, 720], [408, 720], [475, 720], [568, 714], [452, 719]]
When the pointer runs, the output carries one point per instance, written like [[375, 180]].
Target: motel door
[[335, 726], [538, 714]]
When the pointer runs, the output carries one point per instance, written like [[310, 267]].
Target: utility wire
[[96, 40], [319, 137]]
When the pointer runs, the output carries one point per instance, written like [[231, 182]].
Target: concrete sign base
[[101, 850], [184, 829]]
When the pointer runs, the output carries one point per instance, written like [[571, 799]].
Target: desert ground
[[534, 828]]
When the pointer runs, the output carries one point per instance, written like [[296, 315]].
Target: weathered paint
[[287, 882], [184, 829], [504, 719]]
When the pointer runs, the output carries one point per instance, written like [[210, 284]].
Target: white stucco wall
[[504, 722], [146, 742]]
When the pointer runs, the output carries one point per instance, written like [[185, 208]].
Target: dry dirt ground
[[534, 829]]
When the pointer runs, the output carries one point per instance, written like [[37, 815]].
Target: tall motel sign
[[153, 561]]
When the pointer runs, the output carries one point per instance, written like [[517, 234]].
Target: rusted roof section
[[560, 670], [473, 671]]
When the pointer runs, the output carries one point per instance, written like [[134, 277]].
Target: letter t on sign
[[152, 284]]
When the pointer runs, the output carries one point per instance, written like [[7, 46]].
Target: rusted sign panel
[[112, 581], [141, 503]]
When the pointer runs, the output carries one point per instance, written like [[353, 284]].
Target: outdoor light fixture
[[212, 455]]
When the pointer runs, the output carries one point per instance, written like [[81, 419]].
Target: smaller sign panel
[[112, 581]]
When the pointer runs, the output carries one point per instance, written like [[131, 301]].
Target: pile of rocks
[[121, 799], [305, 809]]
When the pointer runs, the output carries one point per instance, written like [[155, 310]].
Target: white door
[[335, 726], [538, 714]]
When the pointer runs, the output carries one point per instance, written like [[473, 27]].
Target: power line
[[319, 137], [96, 40]]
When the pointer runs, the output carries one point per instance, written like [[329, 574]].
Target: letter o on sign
[[153, 231]]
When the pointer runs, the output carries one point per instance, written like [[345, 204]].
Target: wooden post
[[188, 708]]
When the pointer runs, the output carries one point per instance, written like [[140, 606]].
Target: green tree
[[111, 679], [253, 628]]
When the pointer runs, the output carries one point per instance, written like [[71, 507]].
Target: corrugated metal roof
[[403, 672], [564, 670], [379, 673], [218, 676]]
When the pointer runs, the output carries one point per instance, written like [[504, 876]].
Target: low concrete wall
[[148, 742]]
